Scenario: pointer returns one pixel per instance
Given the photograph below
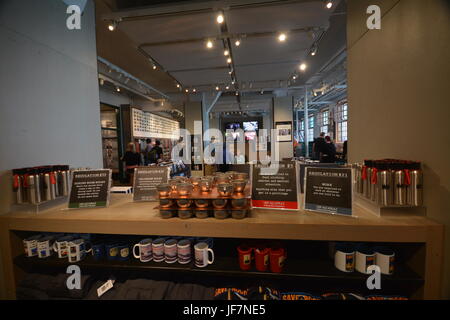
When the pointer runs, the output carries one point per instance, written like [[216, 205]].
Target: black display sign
[[145, 181], [314, 165], [90, 188], [275, 187], [329, 190]]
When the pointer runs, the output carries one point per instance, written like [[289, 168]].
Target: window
[[311, 129], [342, 122], [323, 121]]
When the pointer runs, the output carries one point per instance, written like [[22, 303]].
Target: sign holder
[[142, 186], [104, 196]]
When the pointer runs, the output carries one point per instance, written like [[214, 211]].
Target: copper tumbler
[[219, 203], [164, 190], [184, 189], [205, 186], [239, 203], [184, 203], [239, 185], [225, 189]]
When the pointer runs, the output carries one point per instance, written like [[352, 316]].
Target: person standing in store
[[132, 160], [328, 153], [318, 146], [156, 154], [148, 148]]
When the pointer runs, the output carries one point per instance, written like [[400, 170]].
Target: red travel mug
[[245, 257], [262, 259], [277, 257]]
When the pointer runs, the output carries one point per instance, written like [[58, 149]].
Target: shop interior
[[114, 91]]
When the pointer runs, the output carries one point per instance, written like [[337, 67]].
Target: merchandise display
[[265, 257]]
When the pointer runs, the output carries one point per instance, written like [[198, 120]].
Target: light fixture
[[262, 91], [209, 44], [187, 90], [237, 93], [237, 43], [220, 19], [194, 90], [217, 88], [329, 4], [229, 60], [230, 72], [227, 87], [282, 37], [294, 77], [112, 25], [178, 86], [303, 67], [117, 89], [233, 82], [314, 51], [226, 53]]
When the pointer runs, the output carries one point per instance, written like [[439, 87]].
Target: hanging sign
[[146, 179], [328, 190], [275, 187], [90, 188]]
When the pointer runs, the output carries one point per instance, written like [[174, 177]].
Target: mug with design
[[77, 250], [245, 257], [124, 252], [145, 250], [364, 258], [45, 247], [384, 258], [277, 256], [30, 245], [170, 251], [202, 252], [60, 246], [344, 257], [112, 251], [262, 258], [158, 249], [184, 251], [98, 251]]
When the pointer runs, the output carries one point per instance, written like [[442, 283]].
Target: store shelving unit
[[421, 270]]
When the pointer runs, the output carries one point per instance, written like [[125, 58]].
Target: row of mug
[[349, 257], [263, 257]]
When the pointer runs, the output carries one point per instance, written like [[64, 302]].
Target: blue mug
[[112, 251], [124, 252], [98, 251]]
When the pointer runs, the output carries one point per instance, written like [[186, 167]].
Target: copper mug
[[205, 186], [239, 185], [225, 189], [184, 189], [164, 190]]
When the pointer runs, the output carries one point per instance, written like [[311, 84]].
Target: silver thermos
[[366, 176], [415, 188], [47, 185], [65, 178], [358, 179], [385, 186], [31, 187], [56, 170], [18, 188], [52, 184], [399, 186], [374, 190]]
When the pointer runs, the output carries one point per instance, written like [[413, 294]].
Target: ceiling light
[[194, 90], [209, 44], [187, 90], [282, 37], [294, 77], [314, 51], [178, 85], [229, 60], [227, 87], [220, 19], [303, 67], [237, 93], [226, 53], [217, 88], [237, 43], [233, 82], [329, 4], [117, 89], [230, 72], [112, 26]]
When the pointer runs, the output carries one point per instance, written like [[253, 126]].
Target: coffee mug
[[245, 257], [344, 258], [364, 258], [30, 245], [60, 246], [202, 251], [124, 252], [98, 251], [384, 258], [45, 247], [262, 258], [158, 249], [145, 250], [170, 251], [184, 251], [77, 250], [277, 256], [112, 251]]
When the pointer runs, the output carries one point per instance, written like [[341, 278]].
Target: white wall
[[49, 103]]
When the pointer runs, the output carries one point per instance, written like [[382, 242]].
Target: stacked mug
[[265, 257]]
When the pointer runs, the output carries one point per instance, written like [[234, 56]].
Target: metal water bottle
[[52, 184], [365, 176], [18, 188], [358, 179], [47, 193], [64, 181], [415, 190], [399, 186], [385, 186], [31, 187], [374, 190]]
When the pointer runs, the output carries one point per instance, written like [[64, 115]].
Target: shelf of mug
[[312, 269], [213, 194]]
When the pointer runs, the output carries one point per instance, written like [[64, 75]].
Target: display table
[[132, 218]]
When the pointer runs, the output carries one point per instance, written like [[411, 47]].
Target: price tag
[[105, 287]]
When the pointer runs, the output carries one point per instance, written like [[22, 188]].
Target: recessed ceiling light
[[282, 37], [112, 26], [237, 43], [220, 19], [329, 4], [117, 89], [226, 53], [229, 60], [303, 67], [209, 44]]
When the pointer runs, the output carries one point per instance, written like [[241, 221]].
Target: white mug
[[385, 258], [45, 247], [145, 250], [77, 250], [30, 246], [60, 246], [170, 251], [184, 251], [364, 258], [158, 250], [201, 255], [344, 258]]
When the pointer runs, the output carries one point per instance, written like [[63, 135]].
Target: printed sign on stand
[[90, 188], [328, 190], [275, 188], [146, 179]]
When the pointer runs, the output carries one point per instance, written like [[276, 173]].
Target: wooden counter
[[127, 217]]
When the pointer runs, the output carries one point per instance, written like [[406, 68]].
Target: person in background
[[146, 151], [344, 153], [132, 160], [240, 157], [328, 153], [318, 145], [156, 154]]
